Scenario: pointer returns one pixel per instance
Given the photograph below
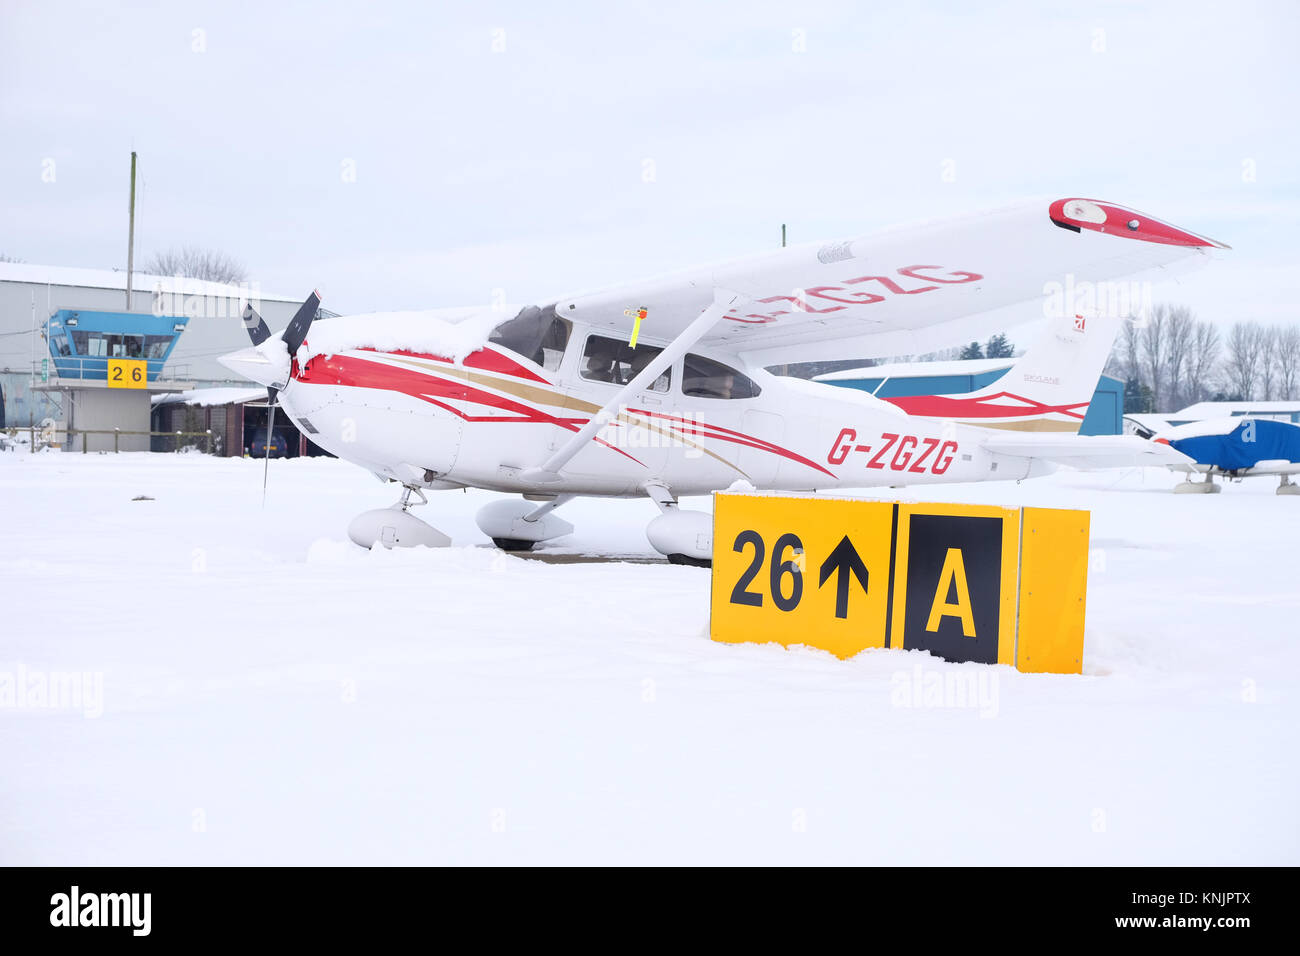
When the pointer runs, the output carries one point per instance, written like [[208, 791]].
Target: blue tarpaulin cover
[[1254, 440]]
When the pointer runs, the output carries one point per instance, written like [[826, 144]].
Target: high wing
[[878, 294], [1090, 451]]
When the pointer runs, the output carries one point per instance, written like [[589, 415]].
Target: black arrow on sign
[[845, 559]]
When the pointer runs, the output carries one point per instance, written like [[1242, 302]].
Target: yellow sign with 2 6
[[973, 583], [128, 373], [787, 568]]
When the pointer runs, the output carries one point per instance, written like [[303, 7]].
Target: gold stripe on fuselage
[[551, 398], [1031, 425]]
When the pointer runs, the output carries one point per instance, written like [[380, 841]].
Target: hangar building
[[66, 334]]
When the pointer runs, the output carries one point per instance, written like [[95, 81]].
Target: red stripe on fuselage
[[485, 359], [363, 373], [944, 406], [705, 430], [354, 372]]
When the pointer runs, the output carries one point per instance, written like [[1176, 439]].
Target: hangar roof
[[213, 396], [1203, 410], [116, 279]]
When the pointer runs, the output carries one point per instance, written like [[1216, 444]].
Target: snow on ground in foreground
[[273, 694]]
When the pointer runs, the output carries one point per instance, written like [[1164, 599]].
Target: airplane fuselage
[[430, 421]]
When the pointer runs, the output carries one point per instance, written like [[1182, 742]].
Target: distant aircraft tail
[[1047, 389]]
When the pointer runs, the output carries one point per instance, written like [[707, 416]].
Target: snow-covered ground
[[256, 689]]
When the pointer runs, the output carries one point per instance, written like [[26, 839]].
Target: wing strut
[[550, 469]]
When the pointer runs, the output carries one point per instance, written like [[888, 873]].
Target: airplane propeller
[[293, 337]]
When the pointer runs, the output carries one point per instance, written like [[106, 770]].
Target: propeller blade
[[252, 364], [296, 333], [256, 325], [271, 394]]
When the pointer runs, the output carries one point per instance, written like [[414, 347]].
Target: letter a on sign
[[954, 565], [952, 575]]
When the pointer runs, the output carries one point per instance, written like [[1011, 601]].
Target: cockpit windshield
[[535, 333]]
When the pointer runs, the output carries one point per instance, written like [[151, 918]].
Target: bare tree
[[1202, 358], [1125, 361], [1179, 331], [8, 258], [194, 262], [1153, 352], [1287, 349], [1267, 361], [1245, 348], [1117, 363]]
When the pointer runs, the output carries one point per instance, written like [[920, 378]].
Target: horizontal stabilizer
[[1089, 451]]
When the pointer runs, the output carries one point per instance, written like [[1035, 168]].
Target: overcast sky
[[426, 154]]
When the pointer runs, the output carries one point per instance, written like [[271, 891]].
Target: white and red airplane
[[658, 387]]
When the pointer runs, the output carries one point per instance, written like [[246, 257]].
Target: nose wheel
[[396, 527]]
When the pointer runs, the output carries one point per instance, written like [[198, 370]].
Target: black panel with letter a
[[954, 586]]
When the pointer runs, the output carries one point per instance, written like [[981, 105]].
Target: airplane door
[[640, 445], [760, 465], [634, 448]]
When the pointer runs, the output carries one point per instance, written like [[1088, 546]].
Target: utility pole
[[130, 238], [33, 340], [785, 369]]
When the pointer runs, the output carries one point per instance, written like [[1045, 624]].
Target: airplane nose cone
[[256, 365]]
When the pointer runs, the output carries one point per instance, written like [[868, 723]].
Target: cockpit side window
[[615, 361], [705, 378], [535, 333]]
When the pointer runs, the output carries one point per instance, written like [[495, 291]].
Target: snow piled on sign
[[272, 694], [449, 333]]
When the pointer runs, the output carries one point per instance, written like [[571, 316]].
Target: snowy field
[[259, 690]]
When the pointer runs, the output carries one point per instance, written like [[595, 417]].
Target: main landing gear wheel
[[683, 537], [1288, 487], [515, 525], [513, 544]]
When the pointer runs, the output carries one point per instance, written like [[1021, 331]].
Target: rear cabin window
[[535, 333], [615, 361], [705, 378]]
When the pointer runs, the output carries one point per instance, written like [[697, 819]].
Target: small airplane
[[1236, 448], [554, 401]]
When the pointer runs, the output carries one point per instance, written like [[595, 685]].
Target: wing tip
[[1078, 214]]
